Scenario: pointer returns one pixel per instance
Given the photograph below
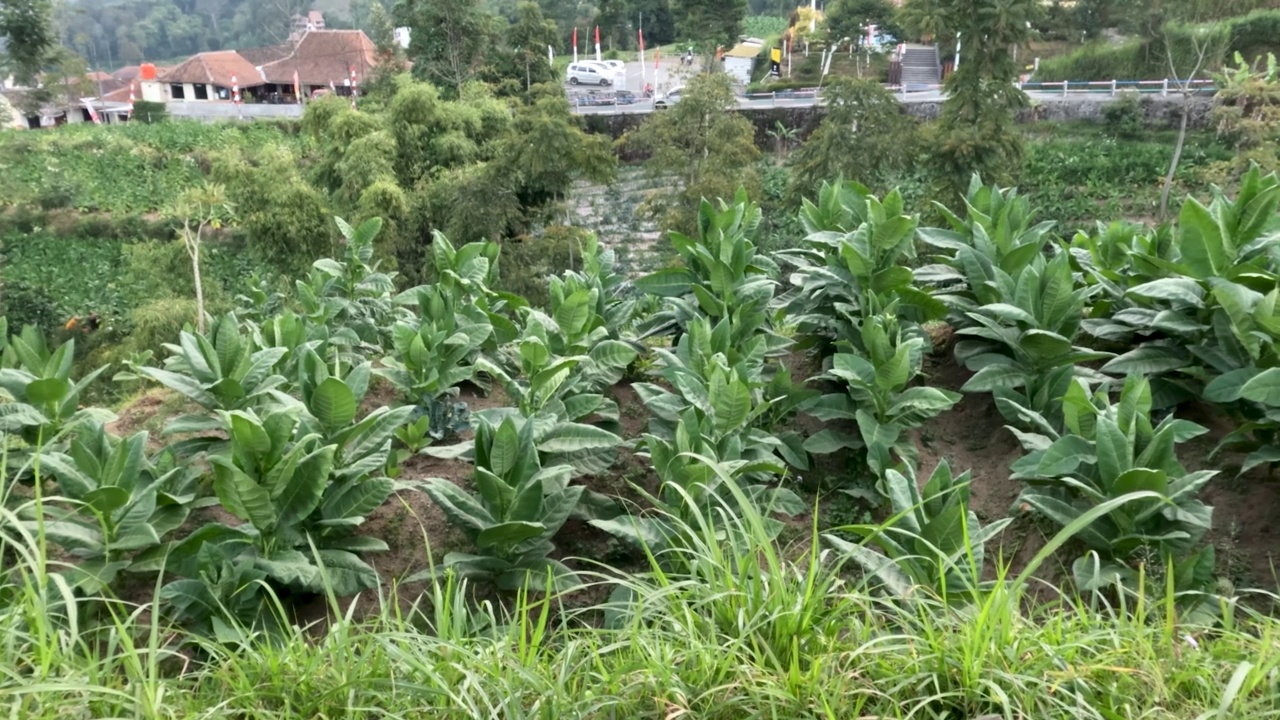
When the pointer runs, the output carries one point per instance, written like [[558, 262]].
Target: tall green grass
[[727, 625]]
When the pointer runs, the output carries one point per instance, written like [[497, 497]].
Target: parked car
[[588, 74], [671, 97]]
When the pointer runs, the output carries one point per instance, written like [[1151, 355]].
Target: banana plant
[[931, 540], [996, 234], [879, 396], [722, 276], [43, 398], [518, 508], [854, 263], [121, 503], [436, 353], [1107, 451], [1022, 348], [220, 370]]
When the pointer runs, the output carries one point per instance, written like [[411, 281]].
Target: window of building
[[177, 92], [202, 91]]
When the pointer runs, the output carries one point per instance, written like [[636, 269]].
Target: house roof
[[214, 68], [263, 55], [316, 16], [745, 50], [324, 56], [117, 96]]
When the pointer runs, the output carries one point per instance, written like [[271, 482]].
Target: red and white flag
[[597, 43], [640, 34], [235, 95], [131, 100], [575, 44], [297, 87], [353, 87], [93, 114]]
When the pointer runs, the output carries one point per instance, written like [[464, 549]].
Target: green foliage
[[27, 30], [432, 355], [932, 540], [222, 369], [722, 275], [150, 113], [700, 144], [976, 133], [1248, 110], [1192, 312], [1107, 451], [519, 507], [130, 168], [864, 136], [282, 216], [1022, 346], [879, 395], [853, 265], [709, 22], [44, 399], [996, 235], [122, 504], [1124, 117]]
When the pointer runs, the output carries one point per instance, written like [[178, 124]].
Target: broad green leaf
[[333, 404], [303, 492], [670, 282]]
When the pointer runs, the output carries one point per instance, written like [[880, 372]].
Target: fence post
[[1113, 87], [1065, 84], [774, 96], [1164, 88]]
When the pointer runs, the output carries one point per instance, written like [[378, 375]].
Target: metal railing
[[1111, 88]]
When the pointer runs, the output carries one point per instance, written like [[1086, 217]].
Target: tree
[[977, 134], [700, 146], [865, 136], [1201, 42], [27, 35], [710, 22], [849, 18], [199, 208], [926, 20], [528, 39], [450, 41]]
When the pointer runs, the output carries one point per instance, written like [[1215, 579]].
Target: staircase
[[920, 65]]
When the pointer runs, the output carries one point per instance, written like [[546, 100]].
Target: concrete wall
[[219, 111], [1161, 112]]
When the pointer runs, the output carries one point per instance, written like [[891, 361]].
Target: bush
[[26, 304], [525, 264], [149, 113], [1124, 117], [158, 322]]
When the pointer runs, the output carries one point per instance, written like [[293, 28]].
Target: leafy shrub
[[145, 111], [26, 304], [932, 539], [519, 507], [1109, 450], [1124, 117], [529, 262]]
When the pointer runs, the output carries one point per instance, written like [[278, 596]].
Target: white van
[[588, 74]]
